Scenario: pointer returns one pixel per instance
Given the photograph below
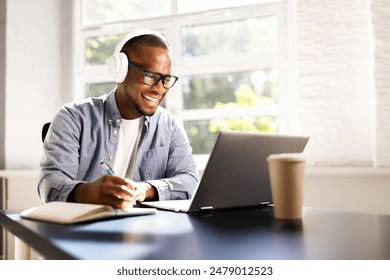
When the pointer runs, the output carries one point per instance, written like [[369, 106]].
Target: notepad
[[69, 212]]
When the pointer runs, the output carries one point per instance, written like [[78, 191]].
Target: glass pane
[[202, 134], [99, 49], [252, 34], [201, 138], [188, 6], [95, 90], [95, 12], [231, 90]]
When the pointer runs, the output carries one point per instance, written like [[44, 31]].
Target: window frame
[[170, 26]]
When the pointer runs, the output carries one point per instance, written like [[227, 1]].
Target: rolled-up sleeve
[[81, 134], [60, 161]]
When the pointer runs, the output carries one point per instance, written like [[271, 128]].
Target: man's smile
[[151, 99]]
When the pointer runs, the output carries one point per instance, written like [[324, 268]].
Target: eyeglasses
[[152, 78]]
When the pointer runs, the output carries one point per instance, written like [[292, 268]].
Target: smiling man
[[146, 146]]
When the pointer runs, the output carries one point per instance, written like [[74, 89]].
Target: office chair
[[45, 128]]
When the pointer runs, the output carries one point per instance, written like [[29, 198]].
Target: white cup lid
[[287, 157]]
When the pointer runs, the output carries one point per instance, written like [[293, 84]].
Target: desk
[[236, 234]]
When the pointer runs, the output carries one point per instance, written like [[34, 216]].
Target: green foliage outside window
[[99, 49], [217, 92], [245, 97]]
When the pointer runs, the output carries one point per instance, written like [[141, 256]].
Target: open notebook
[[236, 174], [69, 213]]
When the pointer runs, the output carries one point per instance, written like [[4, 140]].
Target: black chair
[[45, 128]]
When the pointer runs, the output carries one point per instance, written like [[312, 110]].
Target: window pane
[[99, 49], [252, 34], [231, 90], [202, 134], [201, 138], [188, 6], [95, 12], [95, 90]]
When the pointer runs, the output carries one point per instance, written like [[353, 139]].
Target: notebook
[[70, 213], [236, 174]]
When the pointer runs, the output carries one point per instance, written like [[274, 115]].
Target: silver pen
[[107, 168]]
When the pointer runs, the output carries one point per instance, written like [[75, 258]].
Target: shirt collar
[[113, 114]]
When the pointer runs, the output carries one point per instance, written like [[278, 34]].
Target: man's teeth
[[150, 98]]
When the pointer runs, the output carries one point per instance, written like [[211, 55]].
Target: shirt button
[[118, 121], [110, 121], [110, 157], [115, 131]]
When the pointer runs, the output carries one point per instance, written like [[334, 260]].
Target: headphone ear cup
[[112, 66], [123, 67], [118, 66]]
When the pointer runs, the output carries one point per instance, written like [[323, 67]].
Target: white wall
[[34, 78], [381, 25], [3, 14], [357, 189], [334, 81], [343, 86]]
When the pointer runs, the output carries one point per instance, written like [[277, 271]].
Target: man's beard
[[138, 108]]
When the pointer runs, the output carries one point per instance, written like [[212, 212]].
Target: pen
[[109, 171], [107, 168]]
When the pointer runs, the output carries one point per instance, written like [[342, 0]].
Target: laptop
[[236, 174]]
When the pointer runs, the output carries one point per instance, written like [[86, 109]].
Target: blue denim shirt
[[83, 133]]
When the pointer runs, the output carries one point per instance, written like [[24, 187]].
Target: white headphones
[[118, 62]]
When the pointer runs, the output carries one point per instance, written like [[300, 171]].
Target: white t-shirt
[[126, 149]]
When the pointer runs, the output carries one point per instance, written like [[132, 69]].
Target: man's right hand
[[108, 190]]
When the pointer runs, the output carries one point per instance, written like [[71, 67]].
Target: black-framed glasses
[[152, 78]]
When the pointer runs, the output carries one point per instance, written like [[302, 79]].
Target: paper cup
[[286, 177]]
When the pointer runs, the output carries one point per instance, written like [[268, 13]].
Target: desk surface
[[237, 234]]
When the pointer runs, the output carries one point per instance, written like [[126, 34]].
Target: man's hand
[[143, 191], [108, 190]]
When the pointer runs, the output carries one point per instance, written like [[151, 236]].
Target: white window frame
[[170, 26]]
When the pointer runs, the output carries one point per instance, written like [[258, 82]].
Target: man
[[126, 129]]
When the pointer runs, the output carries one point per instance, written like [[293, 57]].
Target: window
[[231, 57]]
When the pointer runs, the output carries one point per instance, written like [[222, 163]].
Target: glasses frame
[[161, 77]]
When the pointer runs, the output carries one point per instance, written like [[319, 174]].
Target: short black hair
[[149, 40]]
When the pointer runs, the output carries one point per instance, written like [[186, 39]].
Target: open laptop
[[236, 174]]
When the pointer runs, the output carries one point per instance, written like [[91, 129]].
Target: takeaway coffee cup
[[286, 177]]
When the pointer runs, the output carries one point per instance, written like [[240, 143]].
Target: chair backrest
[[45, 128]]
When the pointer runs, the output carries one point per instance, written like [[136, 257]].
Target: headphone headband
[[118, 62], [137, 33]]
